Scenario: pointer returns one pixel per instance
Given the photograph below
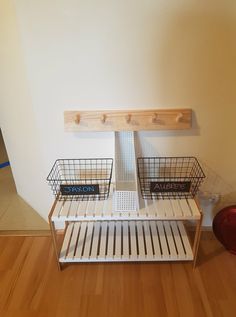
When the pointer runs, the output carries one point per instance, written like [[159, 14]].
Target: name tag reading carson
[[79, 189], [168, 187]]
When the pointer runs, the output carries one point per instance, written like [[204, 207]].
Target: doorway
[[16, 216]]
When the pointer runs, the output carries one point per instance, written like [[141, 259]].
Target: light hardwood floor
[[32, 286]]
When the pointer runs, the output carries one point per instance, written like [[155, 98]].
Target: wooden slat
[[194, 208], [185, 239], [90, 208], [118, 240], [66, 241], [133, 241], [79, 248], [94, 250], [125, 239], [65, 210], [185, 208], [148, 239], [161, 208], [88, 240], [140, 239], [82, 207], [116, 120], [73, 208], [177, 211], [178, 242], [57, 210], [110, 242], [170, 239], [155, 239], [99, 208], [74, 238], [107, 211], [161, 233], [102, 250]]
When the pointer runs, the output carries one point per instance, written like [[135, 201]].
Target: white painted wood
[[73, 241], [73, 209], [194, 208], [133, 241], [82, 207], [78, 240], [88, 240], [178, 242], [90, 208], [99, 208], [57, 209], [108, 208], [94, 250], [184, 237], [65, 210], [161, 208], [162, 237], [177, 211], [140, 239], [102, 249], [168, 208], [80, 244], [125, 239], [118, 240], [110, 243], [66, 241], [148, 240], [170, 239], [185, 208], [155, 239]]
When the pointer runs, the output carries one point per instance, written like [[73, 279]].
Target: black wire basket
[[169, 177], [81, 179]]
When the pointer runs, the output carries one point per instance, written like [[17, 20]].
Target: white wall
[[104, 54]]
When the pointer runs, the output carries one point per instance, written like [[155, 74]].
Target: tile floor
[[15, 213]]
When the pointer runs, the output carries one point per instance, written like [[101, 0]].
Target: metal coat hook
[[77, 119], [179, 117], [103, 118], [128, 118]]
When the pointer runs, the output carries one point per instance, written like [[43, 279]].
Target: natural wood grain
[[128, 120], [31, 285]]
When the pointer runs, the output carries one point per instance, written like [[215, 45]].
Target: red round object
[[224, 227]]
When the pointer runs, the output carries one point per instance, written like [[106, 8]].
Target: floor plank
[[31, 284]]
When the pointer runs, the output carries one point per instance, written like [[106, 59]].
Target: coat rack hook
[[179, 117], [103, 118], [77, 119], [128, 118], [155, 118]]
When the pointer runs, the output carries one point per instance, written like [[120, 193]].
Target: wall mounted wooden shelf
[[128, 120]]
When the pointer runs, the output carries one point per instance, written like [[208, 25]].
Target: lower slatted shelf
[[110, 241]]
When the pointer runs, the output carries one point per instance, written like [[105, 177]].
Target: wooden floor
[[31, 285]]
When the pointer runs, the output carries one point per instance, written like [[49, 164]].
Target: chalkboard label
[[168, 187], [85, 189]]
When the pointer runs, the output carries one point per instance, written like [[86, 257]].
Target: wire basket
[[81, 179], [169, 177]]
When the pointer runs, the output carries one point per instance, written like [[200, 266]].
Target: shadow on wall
[[197, 65], [216, 191]]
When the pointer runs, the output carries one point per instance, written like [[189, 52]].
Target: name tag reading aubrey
[[167, 187], [79, 189]]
